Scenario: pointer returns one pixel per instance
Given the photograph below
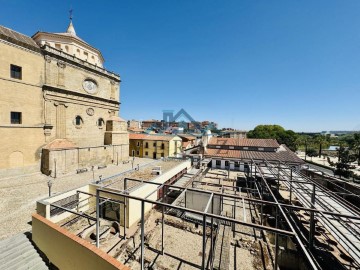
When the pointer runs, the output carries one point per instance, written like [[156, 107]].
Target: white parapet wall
[[134, 206], [66, 199]]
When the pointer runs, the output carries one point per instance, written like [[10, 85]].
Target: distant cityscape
[[82, 188]]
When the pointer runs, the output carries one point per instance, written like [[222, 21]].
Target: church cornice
[[67, 92], [58, 54], [71, 38]]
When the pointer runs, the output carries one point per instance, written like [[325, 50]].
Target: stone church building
[[59, 108]]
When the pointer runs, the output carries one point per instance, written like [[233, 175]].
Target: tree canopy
[[277, 132]]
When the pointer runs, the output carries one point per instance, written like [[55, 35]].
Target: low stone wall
[[13, 172], [62, 161], [68, 251]]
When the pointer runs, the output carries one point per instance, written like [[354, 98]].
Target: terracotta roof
[[116, 118], [135, 136], [272, 143], [284, 154], [151, 120], [185, 144], [187, 136], [18, 38], [150, 137], [135, 129], [60, 144], [232, 131]]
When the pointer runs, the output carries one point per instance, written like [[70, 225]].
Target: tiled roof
[[187, 136], [18, 39], [60, 144], [233, 131], [18, 252], [134, 136], [135, 129], [151, 120], [272, 143], [186, 144], [284, 154]]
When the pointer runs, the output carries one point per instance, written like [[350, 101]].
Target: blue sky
[[239, 63]]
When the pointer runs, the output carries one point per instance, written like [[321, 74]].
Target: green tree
[[320, 141], [311, 152], [343, 165], [277, 132], [355, 146]]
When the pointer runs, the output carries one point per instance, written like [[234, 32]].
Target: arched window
[[78, 121], [100, 122]]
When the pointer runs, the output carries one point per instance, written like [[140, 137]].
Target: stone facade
[[58, 97]]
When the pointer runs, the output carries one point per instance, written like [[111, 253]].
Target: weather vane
[[71, 13]]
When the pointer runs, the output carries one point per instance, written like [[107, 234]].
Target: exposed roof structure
[[283, 154], [271, 143], [18, 39]]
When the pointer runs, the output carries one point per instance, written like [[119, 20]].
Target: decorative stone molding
[[48, 58], [90, 86], [60, 104], [90, 111], [61, 64]]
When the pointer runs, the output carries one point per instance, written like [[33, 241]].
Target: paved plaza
[[18, 195]]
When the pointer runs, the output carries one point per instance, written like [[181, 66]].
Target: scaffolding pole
[[142, 234], [312, 220], [97, 218]]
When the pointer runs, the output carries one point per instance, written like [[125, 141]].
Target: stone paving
[[18, 195], [323, 161]]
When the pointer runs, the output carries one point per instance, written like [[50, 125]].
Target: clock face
[[90, 86]]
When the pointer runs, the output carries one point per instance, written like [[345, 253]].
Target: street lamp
[[55, 167], [50, 183], [97, 182]]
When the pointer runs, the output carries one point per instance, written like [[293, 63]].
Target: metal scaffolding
[[260, 173]]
